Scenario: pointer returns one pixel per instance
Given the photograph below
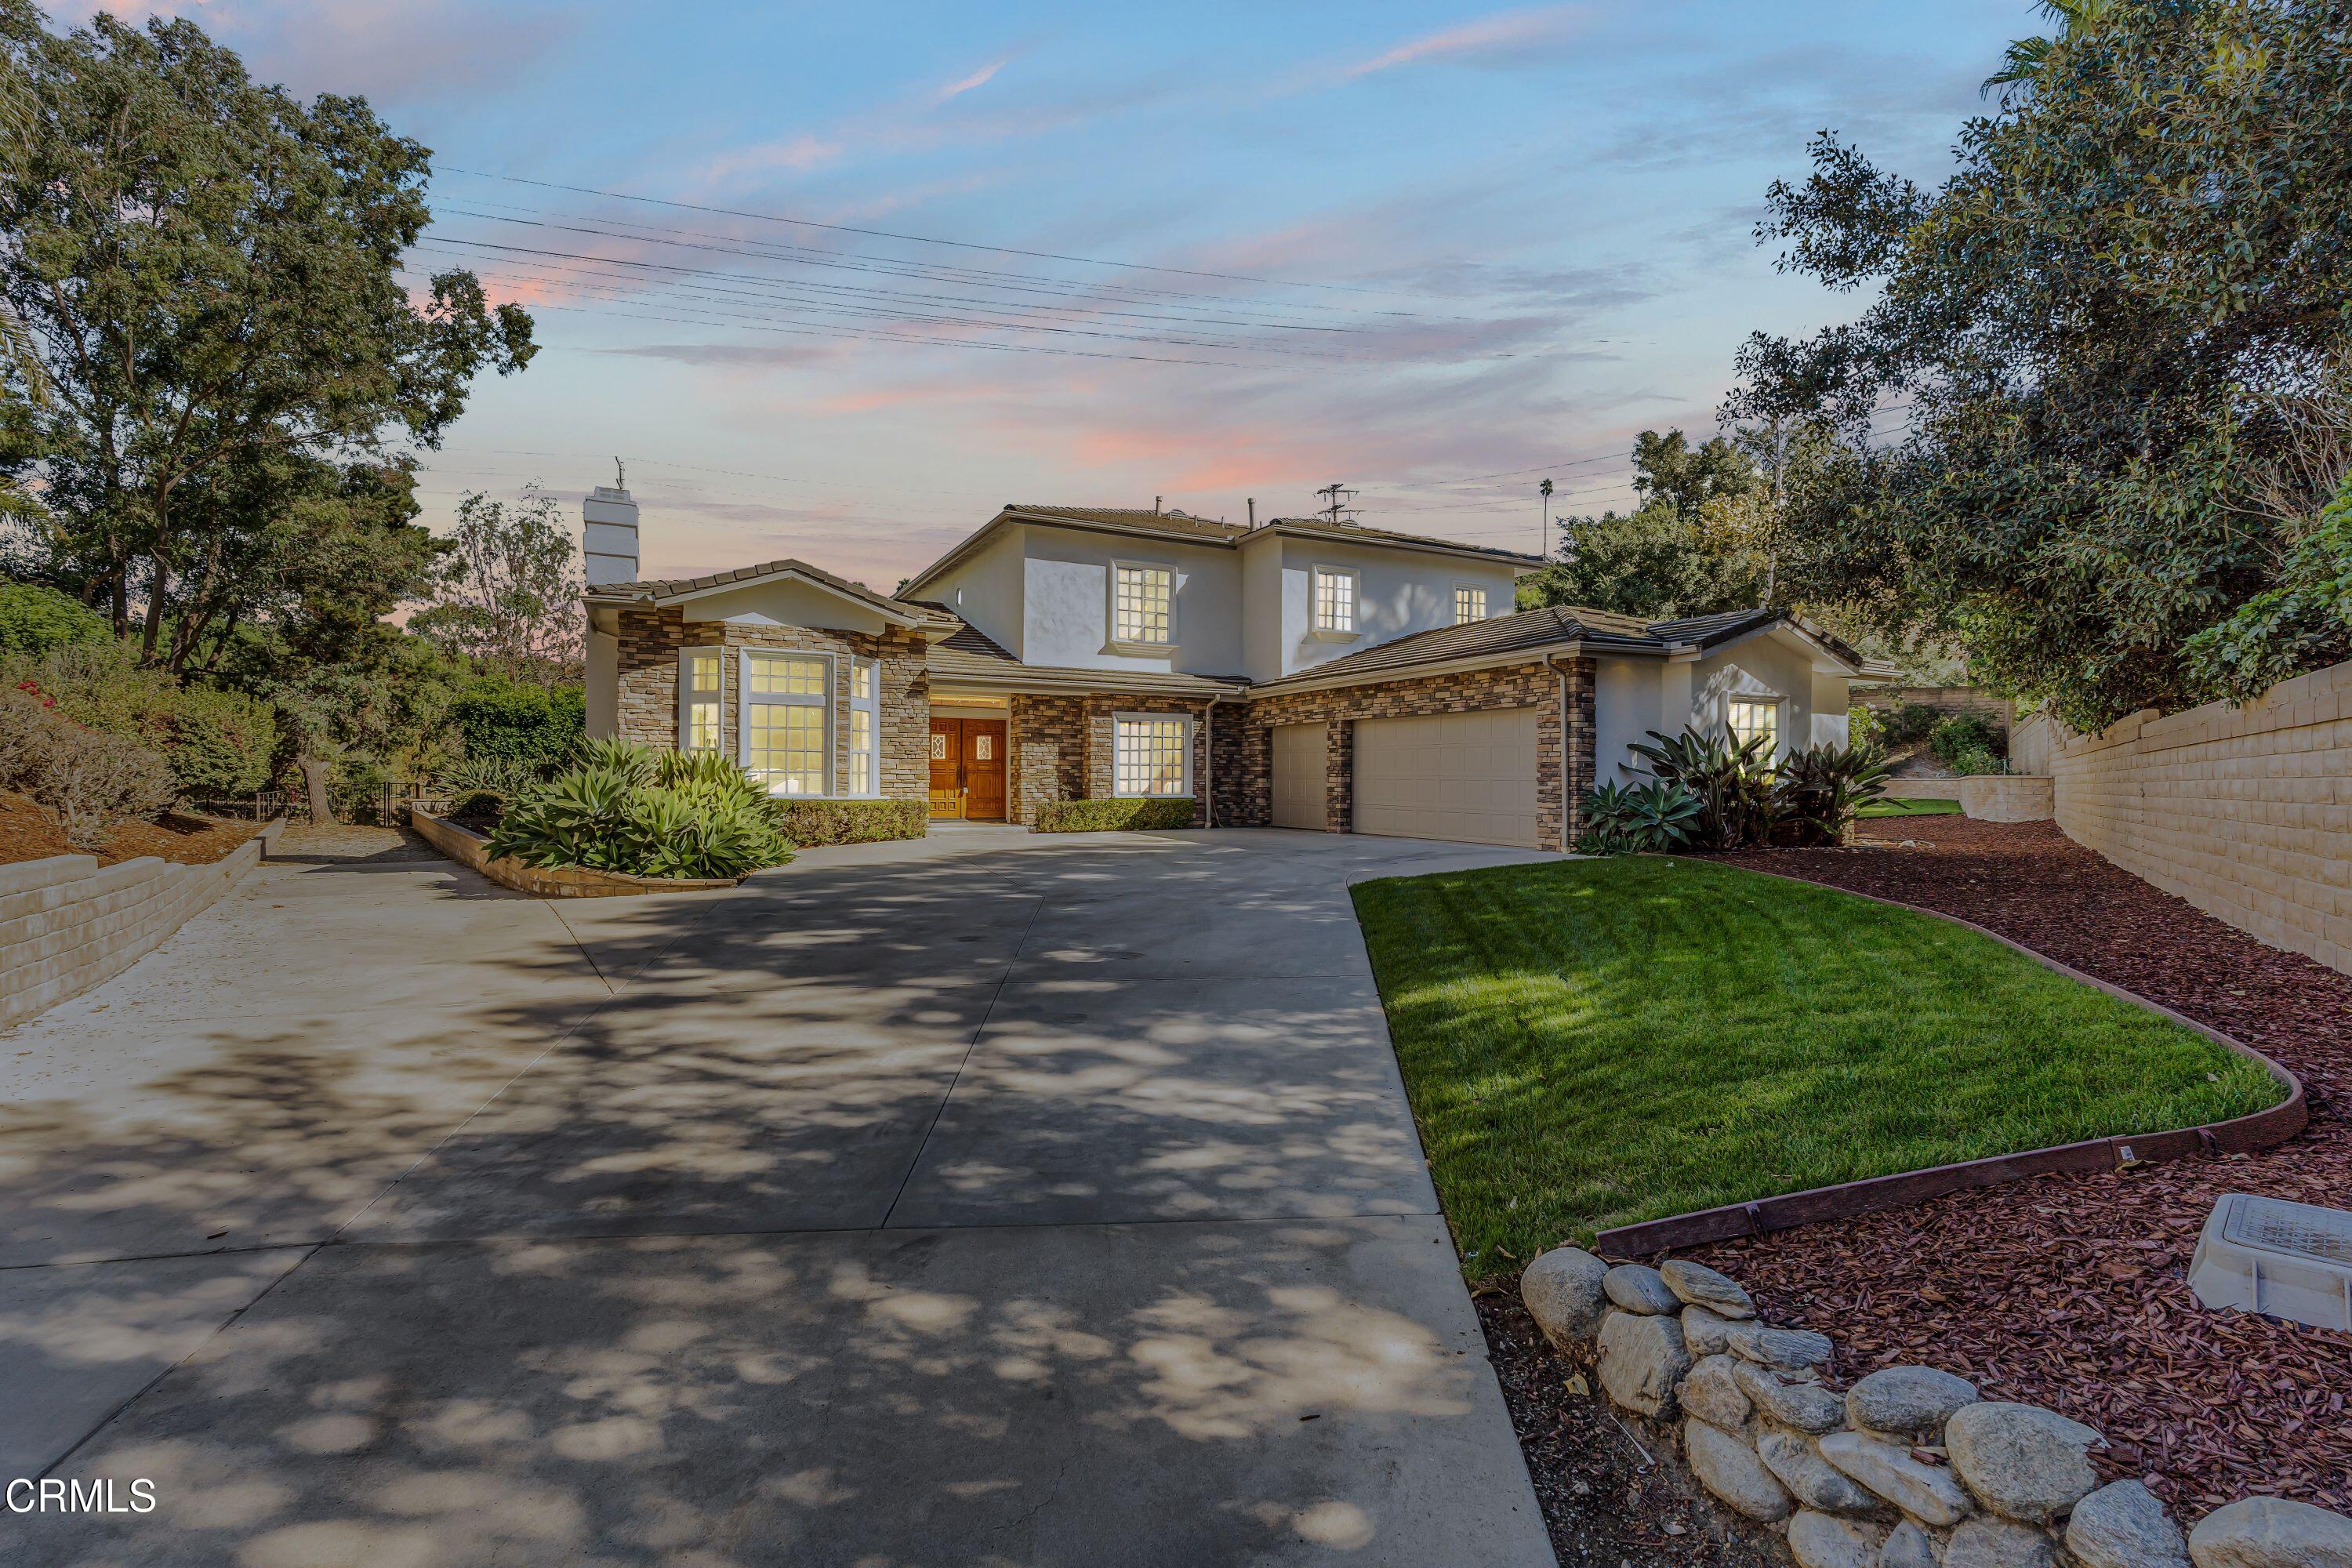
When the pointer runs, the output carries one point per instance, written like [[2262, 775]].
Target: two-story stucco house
[[1294, 673]]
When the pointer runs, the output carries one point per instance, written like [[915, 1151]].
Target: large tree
[[2116, 340], [207, 269], [1690, 548]]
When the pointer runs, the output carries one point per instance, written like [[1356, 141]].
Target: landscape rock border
[[1944, 1477]]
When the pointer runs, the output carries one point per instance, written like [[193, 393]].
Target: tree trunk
[[314, 779], [157, 587]]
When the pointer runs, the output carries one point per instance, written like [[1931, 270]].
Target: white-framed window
[[1152, 754], [700, 697], [788, 720], [1749, 717], [1335, 601], [1469, 602], [1142, 604], [865, 726]]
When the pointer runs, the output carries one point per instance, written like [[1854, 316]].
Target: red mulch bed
[[2070, 1291], [30, 832]]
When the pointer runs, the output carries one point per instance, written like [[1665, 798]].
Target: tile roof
[[1174, 524], [658, 590], [1315, 528]]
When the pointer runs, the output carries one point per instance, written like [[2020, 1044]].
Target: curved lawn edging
[[2258, 1130], [471, 850]]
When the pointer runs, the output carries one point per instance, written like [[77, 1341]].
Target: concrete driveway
[[991, 1199]]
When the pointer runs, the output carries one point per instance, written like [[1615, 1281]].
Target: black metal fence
[[386, 803]]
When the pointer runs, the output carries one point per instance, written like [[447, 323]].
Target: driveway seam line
[[167, 1256], [595, 968], [147, 1387], [514, 1238], [969, 1050]]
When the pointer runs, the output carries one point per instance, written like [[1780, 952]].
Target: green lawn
[[1882, 807], [1595, 1042]]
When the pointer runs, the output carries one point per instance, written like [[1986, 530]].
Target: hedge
[[1112, 815], [811, 823], [35, 621], [528, 724]]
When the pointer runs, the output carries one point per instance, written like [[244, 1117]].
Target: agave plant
[[1730, 781], [1818, 790], [624, 807], [1623, 819]]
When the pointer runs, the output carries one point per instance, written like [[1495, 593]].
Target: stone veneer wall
[[1062, 748], [649, 641], [1246, 773], [1908, 1468], [2244, 812], [67, 923]]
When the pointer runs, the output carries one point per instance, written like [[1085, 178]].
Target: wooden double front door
[[968, 769]]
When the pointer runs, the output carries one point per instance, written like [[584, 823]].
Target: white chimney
[[610, 539]]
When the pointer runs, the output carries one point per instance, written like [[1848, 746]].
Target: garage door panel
[[1468, 778], [1301, 756]]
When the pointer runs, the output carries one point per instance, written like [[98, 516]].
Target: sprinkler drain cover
[[2266, 1255]]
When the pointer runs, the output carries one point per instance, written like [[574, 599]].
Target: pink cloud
[[978, 78], [798, 154], [1505, 30]]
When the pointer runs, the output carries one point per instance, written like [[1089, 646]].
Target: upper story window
[[1469, 604], [1750, 717], [1142, 605], [1335, 600], [788, 720]]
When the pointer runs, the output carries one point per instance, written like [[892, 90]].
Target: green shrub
[[645, 813], [1743, 800], [90, 779], [35, 622], [217, 744], [1978, 760], [809, 824], [1817, 792], [1961, 733], [1112, 815], [537, 726], [1911, 723], [1865, 727], [1622, 819], [475, 807]]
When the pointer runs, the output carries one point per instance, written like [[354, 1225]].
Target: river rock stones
[[2123, 1525], [1812, 1479], [2272, 1532], [1562, 1292], [1699, 1285], [2021, 1460], [1641, 1359], [1808, 1406], [1817, 1541], [1705, 1332], [1909, 1402], [1712, 1393], [1792, 1351], [1908, 1547], [1637, 1288], [1926, 1492], [1730, 1468], [1987, 1542]]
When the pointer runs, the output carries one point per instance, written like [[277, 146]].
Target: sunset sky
[[1205, 252]]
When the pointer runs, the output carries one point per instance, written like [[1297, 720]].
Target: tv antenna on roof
[[1336, 497], [620, 475]]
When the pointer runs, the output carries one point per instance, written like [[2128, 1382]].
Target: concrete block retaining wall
[[2005, 797], [2244, 812], [67, 923], [1910, 1468]]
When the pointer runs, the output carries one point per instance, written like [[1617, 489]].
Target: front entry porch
[[967, 773]]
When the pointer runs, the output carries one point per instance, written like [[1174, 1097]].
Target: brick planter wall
[[67, 923], [1245, 769]]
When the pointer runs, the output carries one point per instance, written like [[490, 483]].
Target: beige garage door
[[1464, 776], [1301, 755]]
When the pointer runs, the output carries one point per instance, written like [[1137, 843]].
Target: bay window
[[699, 697], [1152, 754], [788, 720]]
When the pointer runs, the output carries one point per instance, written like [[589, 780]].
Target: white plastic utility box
[[2266, 1255]]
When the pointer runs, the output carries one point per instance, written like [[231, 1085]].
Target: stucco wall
[[67, 923], [1065, 603], [1398, 593], [1774, 665], [986, 590], [2244, 812]]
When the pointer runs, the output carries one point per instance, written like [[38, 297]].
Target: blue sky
[[1408, 246]]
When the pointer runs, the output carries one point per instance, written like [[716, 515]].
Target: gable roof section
[[675, 590], [1533, 633]]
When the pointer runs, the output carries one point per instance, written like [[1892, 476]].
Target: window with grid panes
[[1152, 755], [787, 720], [1140, 605]]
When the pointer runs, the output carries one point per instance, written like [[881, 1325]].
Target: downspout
[[1552, 660]]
